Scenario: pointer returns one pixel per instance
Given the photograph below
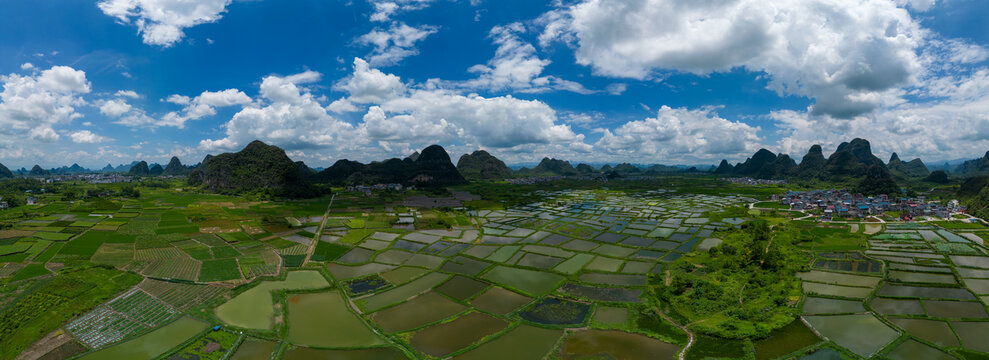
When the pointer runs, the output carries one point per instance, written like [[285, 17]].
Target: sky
[[99, 82]]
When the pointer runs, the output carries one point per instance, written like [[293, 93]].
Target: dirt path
[[690, 335], [319, 232]]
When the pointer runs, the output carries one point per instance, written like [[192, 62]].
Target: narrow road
[[690, 335], [319, 232]]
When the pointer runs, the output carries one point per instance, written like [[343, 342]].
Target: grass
[[52, 236], [328, 251], [234, 237], [224, 252], [219, 270], [355, 236], [31, 271], [84, 246], [959, 225], [771, 205], [355, 223]]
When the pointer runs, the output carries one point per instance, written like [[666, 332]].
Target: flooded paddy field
[[571, 277]]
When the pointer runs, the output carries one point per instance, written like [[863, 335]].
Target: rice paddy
[[566, 277]]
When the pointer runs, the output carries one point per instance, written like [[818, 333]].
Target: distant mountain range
[[431, 167], [851, 160]]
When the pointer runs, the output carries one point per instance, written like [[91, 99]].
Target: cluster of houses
[[368, 190], [844, 204], [751, 181], [100, 178]]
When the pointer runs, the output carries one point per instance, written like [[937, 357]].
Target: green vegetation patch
[[32, 270], [529, 282], [44, 309], [328, 251], [219, 270]]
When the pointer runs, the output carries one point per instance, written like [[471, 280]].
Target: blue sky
[[642, 81]]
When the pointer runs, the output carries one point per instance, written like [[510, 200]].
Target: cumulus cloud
[[201, 106], [31, 105], [128, 93], [443, 115], [397, 117], [369, 85], [384, 9], [395, 43], [114, 108], [849, 55], [86, 137], [288, 115], [161, 22], [910, 129], [680, 133], [516, 66]]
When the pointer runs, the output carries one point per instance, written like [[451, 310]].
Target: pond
[[935, 331], [615, 345], [421, 310], [785, 340], [861, 334], [596, 293], [913, 349], [835, 290], [253, 309], [254, 349], [153, 344], [527, 281], [522, 343], [973, 334], [461, 287], [499, 301], [324, 320], [362, 354], [608, 316], [816, 305], [553, 311], [897, 307], [399, 294], [443, 339]]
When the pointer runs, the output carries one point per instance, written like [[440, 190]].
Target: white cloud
[[201, 106], [86, 137], [680, 134], [31, 105], [384, 9], [442, 115], [368, 85], [43, 134], [955, 125], [849, 55], [290, 116], [114, 108], [178, 99], [516, 66], [161, 22], [128, 93], [394, 44], [27, 66], [397, 117]]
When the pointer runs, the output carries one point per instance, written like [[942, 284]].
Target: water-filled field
[[863, 334], [615, 345], [323, 320], [253, 309], [152, 344]]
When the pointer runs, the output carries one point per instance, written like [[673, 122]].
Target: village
[[842, 204]]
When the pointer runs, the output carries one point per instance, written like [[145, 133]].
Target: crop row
[[160, 253], [181, 296], [184, 269]]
